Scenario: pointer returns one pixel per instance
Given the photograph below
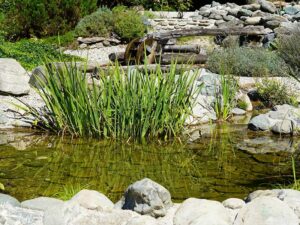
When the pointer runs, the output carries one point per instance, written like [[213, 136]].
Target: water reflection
[[212, 166]]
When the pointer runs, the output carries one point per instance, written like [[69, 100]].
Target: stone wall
[[273, 16]]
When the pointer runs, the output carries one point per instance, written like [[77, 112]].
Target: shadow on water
[[224, 161]]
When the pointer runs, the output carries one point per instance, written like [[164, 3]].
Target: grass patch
[[135, 104], [31, 53], [273, 92], [249, 62], [68, 191]]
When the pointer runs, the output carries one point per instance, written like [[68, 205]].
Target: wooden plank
[[180, 58], [182, 48], [257, 30]]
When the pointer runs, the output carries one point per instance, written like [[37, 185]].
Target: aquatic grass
[[135, 103], [68, 191], [225, 97]]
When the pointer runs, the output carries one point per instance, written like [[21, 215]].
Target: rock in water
[[13, 78], [266, 211], [147, 198], [285, 126]]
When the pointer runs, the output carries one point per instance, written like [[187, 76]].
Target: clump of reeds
[[134, 103]]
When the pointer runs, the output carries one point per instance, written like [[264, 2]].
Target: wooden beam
[[161, 36]]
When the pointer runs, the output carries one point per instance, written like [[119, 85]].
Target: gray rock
[[233, 203], [285, 126], [13, 78], [267, 6], [244, 12], [261, 122], [83, 46], [200, 211], [252, 7], [202, 111], [238, 111], [228, 18], [272, 24], [266, 211], [146, 197], [233, 12], [41, 203], [290, 10], [90, 199], [7, 199]]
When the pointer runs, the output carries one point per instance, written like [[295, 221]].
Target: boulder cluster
[[275, 18], [148, 203]]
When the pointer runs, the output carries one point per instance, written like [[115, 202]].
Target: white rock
[[196, 211], [13, 78], [90, 199], [142, 220], [266, 211], [233, 203], [41, 203]]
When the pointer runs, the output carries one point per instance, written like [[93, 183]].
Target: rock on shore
[[148, 203]]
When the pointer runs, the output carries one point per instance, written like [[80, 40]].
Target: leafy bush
[[273, 92], [177, 5], [60, 40], [30, 53], [134, 104], [26, 18], [99, 23], [127, 23], [289, 49], [242, 61], [131, 27]]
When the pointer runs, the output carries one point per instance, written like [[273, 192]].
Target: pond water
[[225, 161]]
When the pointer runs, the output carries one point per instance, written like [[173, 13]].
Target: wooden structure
[[160, 47]]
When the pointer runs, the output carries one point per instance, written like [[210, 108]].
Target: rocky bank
[[145, 202]]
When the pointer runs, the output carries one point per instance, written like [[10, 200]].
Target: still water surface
[[226, 161]]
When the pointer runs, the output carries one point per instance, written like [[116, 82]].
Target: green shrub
[[241, 61], [99, 23], [127, 23], [60, 40], [289, 49], [273, 92], [177, 5], [134, 104], [30, 53], [27, 18], [131, 27], [242, 105]]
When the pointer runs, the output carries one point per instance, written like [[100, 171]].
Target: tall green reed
[[136, 103], [225, 97]]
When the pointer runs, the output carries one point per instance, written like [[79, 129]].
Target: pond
[[224, 161]]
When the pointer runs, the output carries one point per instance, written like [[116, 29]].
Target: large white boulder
[[13, 78], [266, 211], [200, 211]]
